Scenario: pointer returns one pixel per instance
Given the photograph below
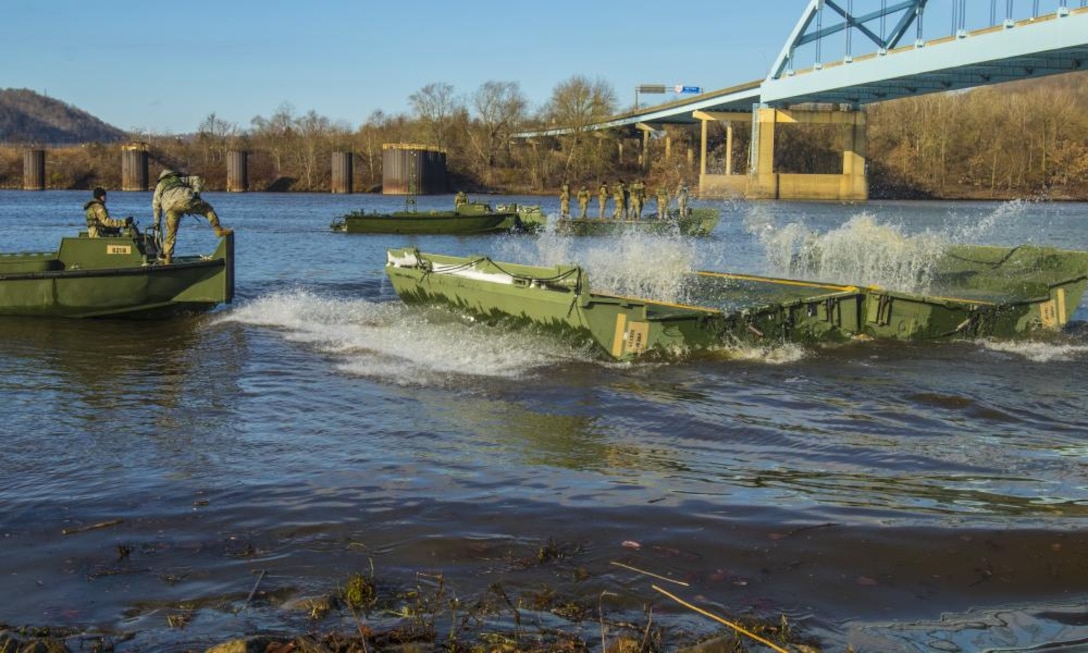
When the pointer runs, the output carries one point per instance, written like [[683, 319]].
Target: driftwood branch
[[83, 529]]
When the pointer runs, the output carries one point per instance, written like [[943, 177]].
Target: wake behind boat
[[980, 291], [114, 276]]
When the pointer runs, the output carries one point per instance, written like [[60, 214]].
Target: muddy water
[[885, 496]]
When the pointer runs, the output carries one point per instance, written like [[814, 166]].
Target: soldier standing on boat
[[459, 200], [583, 201], [99, 222], [682, 199], [619, 196], [602, 198], [564, 200], [662, 202], [638, 193], [177, 195]]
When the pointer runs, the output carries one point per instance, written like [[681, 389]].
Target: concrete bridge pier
[[33, 169], [134, 167], [855, 142], [763, 182]]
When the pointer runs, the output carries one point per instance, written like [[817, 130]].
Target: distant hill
[[29, 118]]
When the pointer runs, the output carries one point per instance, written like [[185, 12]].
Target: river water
[[187, 482]]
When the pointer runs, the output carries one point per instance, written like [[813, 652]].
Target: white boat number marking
[[118, 249]]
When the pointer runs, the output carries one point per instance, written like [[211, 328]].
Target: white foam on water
[[861, 251], [631, 263], [1005, 213], [868, 250], [1037, 352], [406, 345], [547, 249], [781, 354]]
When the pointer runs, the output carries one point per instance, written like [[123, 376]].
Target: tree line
[[1027, 138]]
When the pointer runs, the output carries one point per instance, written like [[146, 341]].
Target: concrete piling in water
[[34, 170], [134, 175], [237, 171], [342, 172], [413, 170]]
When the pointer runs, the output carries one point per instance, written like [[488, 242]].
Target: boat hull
[[114, 277], [698, 222], [529, 218], [438, 223], [1000, 294]]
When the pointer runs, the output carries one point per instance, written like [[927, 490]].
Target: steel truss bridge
[[845, 54]]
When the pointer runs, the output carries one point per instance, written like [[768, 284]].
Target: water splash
[[869, 250], [395, 343], [631, 263], [782, 354], [861, 251], [1038, 352], [991, 222]]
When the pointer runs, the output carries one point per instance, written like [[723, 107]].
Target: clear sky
[[164, 67]]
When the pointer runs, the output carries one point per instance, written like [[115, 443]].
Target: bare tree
[[435, 105], [276, 132], [575, 105], [216, 136], [500, 108]]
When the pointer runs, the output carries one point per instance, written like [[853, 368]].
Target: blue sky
[[163, 67]]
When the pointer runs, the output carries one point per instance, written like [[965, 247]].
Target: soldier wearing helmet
[[177, 195]]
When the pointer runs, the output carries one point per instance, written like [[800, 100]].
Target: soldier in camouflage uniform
[[638, 193], [662, 202], [682, 199], [583, 201], [564, 200], [619, 195], [602, 198], [177, 195], [99, 222]]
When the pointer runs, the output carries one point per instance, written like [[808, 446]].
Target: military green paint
[[114, 277], [983, 292]]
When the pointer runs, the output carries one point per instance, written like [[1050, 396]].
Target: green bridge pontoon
[[114, 276], [978, 292], [696, 222]]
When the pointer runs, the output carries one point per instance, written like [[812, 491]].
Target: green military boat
[[530, 217], [696, 222], [996, 292], [467, 219], [114, 276]]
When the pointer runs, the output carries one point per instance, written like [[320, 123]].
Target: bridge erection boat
[[695, 222], [114, 276], [977, 292], [467, 219]]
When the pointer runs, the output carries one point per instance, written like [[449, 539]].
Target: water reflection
[[318, 426], [93, 397]]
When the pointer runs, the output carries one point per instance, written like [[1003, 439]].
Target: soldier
[[619, 196], [638, 193], [602, 198], [583, 201], [459, 200], [177, 195], [564, 200], [662, 202], [99, 222], [682, 199]]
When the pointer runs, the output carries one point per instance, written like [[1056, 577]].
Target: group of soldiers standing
[[628, 200]]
